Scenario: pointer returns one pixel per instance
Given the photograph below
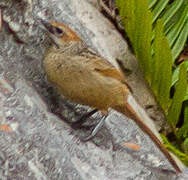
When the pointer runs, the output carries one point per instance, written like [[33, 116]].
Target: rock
[[35, 143]]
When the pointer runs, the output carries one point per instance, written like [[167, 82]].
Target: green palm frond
[[158, 31]]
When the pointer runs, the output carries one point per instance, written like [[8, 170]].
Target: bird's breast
[[76, 78]]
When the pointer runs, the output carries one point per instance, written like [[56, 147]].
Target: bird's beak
[[47, 26]]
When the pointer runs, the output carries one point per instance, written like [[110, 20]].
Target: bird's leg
[[96, 129], [83, 119], [78, 124]]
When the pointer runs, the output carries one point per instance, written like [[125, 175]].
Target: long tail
[[134, 111]]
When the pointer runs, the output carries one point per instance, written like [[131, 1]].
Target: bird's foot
[[95, 130], [79, 124]]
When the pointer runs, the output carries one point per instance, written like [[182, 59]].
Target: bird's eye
[[58, 31]]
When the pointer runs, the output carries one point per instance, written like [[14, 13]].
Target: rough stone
[[35, 143]]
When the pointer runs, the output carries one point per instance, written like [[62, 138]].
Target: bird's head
[[60, 33]]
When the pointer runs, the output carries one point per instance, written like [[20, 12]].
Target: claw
[[83, 119]]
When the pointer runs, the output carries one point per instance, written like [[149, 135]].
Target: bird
[[81, 75]]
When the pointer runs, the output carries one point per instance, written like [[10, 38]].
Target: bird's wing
[[102, 66], [110, 72]]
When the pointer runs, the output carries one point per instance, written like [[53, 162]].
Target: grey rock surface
[[35, 143]]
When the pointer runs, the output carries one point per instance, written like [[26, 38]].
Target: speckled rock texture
[[36, 142]]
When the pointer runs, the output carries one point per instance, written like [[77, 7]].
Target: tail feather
[[133, 110]]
